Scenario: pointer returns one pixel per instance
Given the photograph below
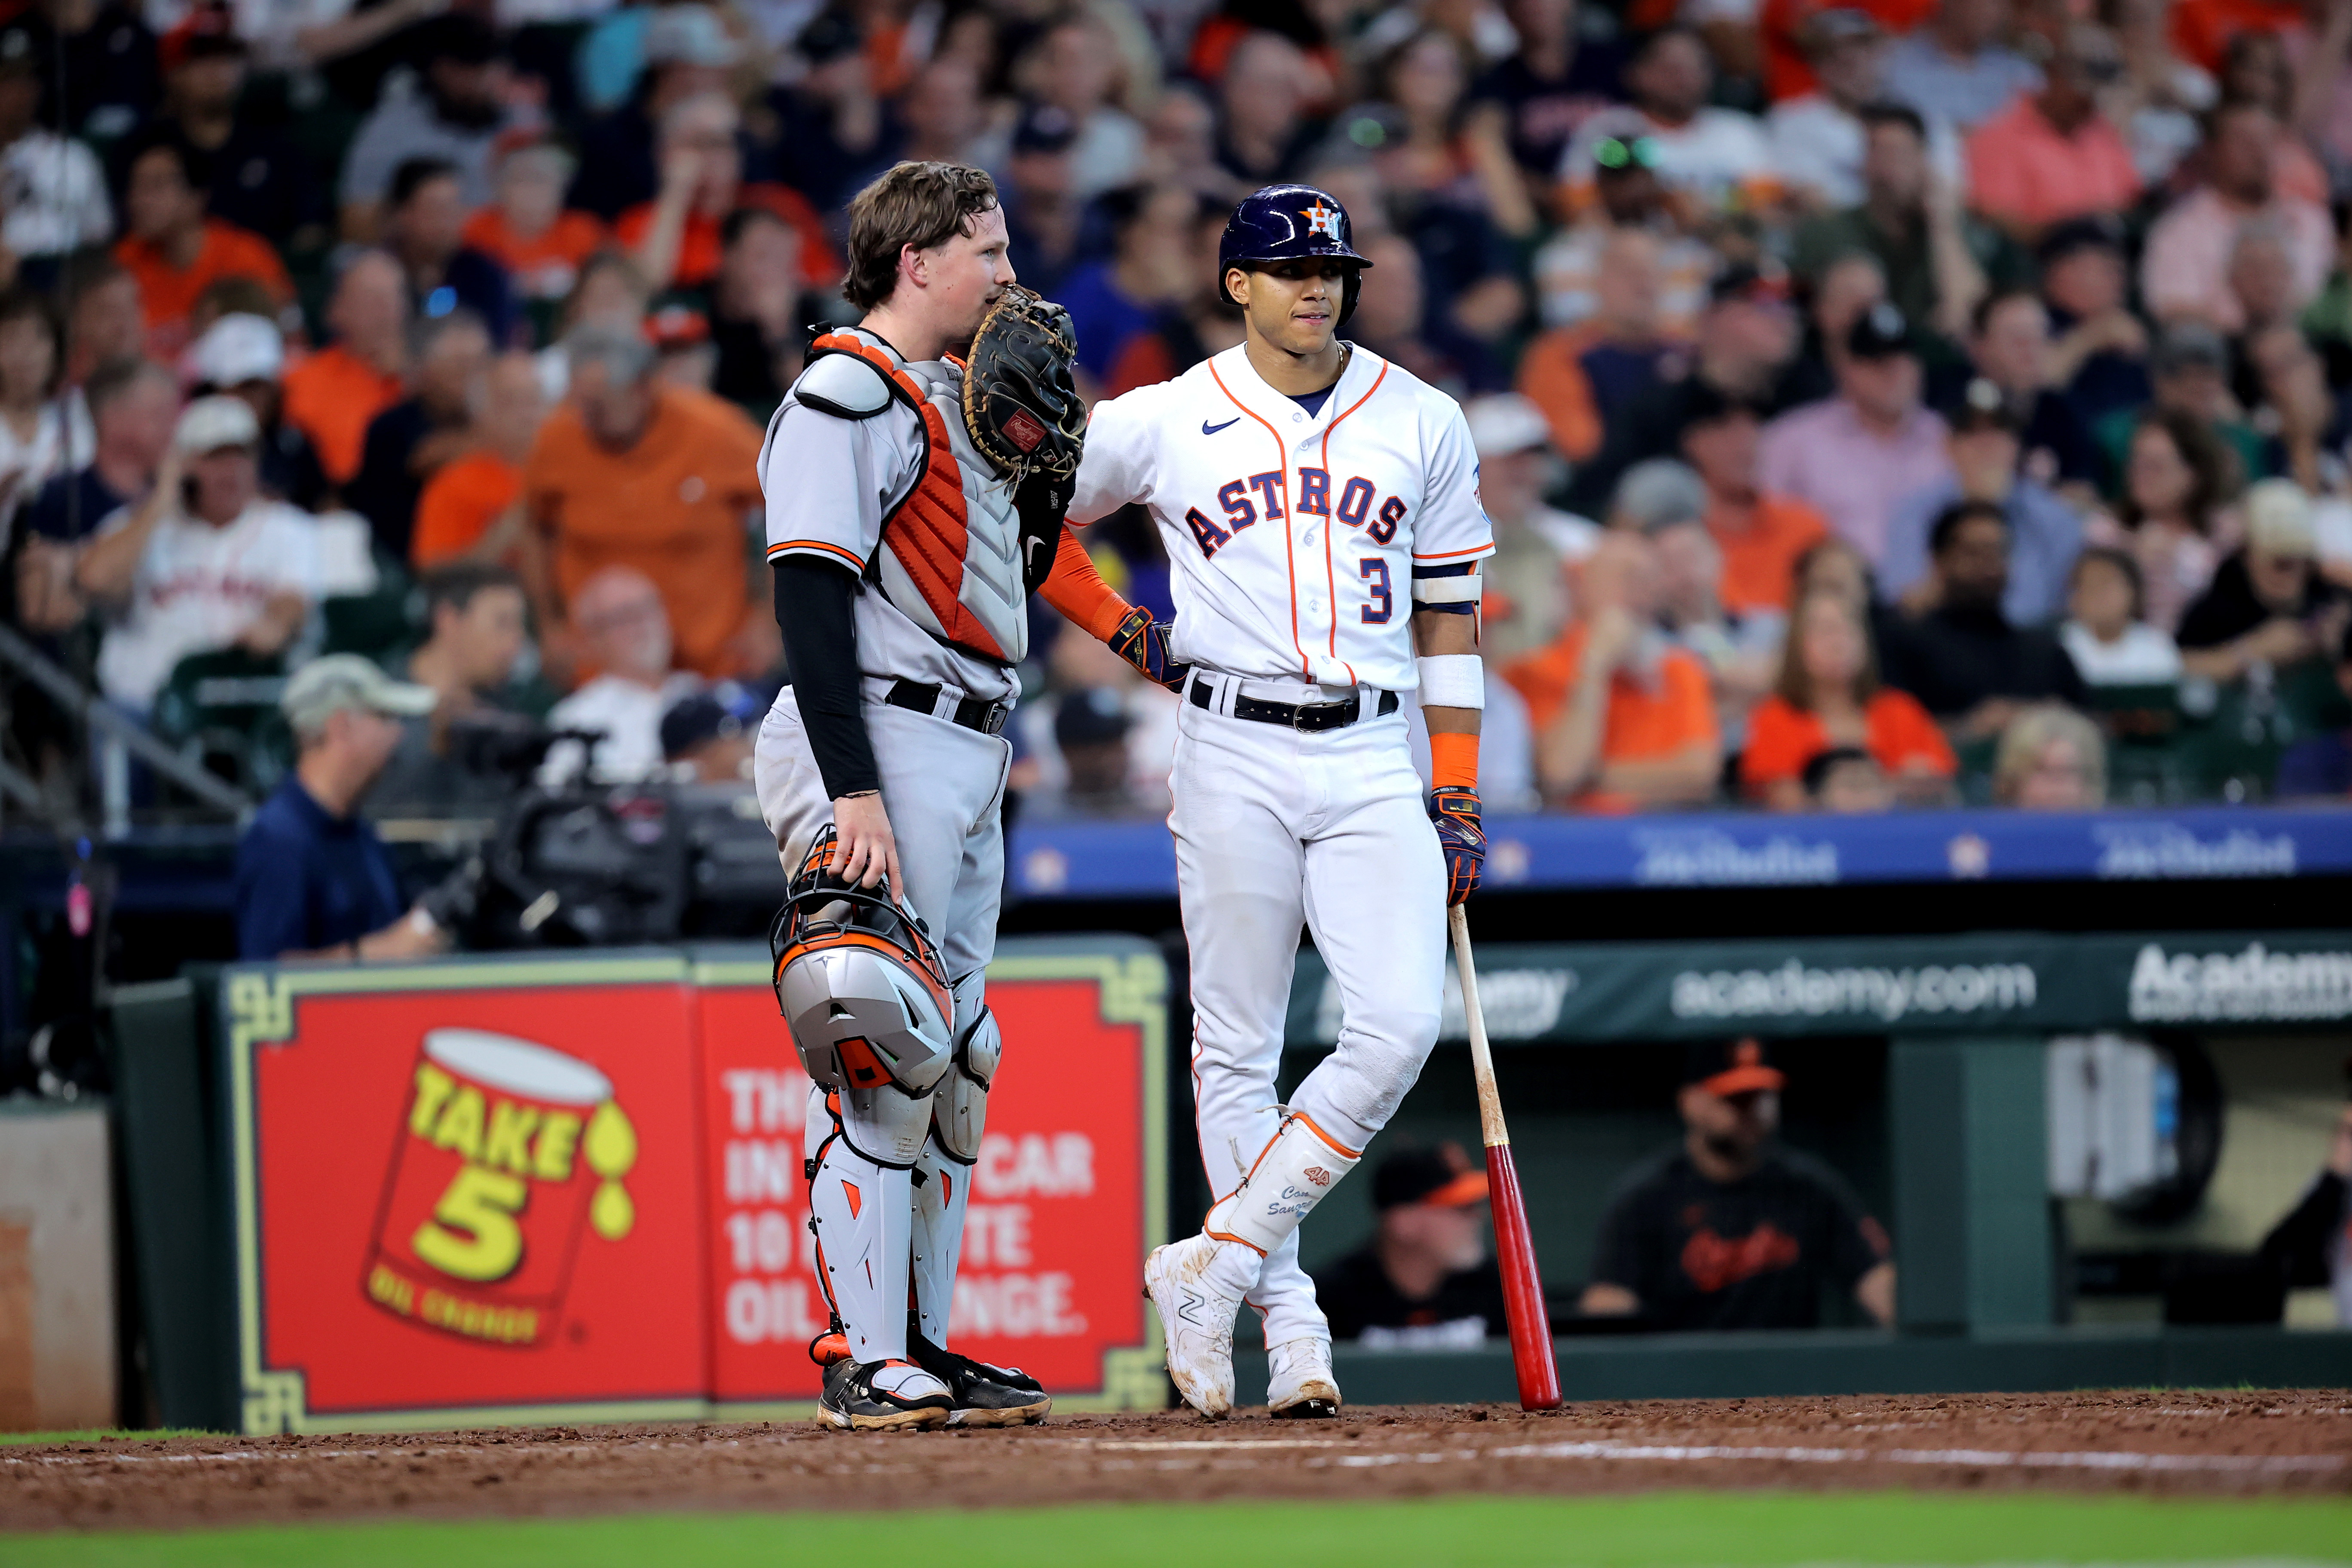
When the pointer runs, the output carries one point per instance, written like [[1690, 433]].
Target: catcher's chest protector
[[950, 555]]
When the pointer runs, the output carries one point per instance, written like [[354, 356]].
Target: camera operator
[[314, 881]]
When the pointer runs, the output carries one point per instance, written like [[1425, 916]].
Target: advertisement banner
[[2019, 983], [488, 1191], [1065, 1200]]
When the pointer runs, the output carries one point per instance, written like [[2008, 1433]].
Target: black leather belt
[[1310, 717], [988, 717]]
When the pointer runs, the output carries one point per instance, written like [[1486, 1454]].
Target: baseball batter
[[911, 508], [1320, 507]]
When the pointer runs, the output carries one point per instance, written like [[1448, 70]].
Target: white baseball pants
[[1276, 829]]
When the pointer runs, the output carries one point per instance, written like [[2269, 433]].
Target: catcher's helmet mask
[[1290, 223], [823, 914]]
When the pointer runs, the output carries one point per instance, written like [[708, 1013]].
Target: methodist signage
[[570, 1188], [2021, 983]]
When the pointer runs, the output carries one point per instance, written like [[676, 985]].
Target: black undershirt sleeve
[[815, 610]]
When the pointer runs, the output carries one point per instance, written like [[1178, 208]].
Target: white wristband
[[1452, 680]]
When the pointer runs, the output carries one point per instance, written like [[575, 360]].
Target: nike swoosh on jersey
[[1209, 430]]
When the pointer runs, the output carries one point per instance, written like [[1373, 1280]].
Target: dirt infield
[[2163, 1441]]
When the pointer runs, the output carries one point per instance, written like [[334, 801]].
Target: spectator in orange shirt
[[1584, 377], [1828, 696], [1761, 535], [2052, 155], [175, 251], [636, 473], [468, 509], [334, 394], [1624, 720], [528, 230], [674, 238]]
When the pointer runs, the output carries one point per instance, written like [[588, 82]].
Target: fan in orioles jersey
[[1320, 506], [902, 576]]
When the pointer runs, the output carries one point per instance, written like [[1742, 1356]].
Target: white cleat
[[1299, 1384], [1196, 1315]]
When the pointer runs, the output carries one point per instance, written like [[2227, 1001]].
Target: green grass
[[102, 1434], [1659, 1529]]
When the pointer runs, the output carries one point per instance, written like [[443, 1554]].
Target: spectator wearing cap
[[1534, 544], [624, 630], [203, 563], [425, 231], [1852, 456], [1584, 377], [683, 356], [2098, 349], [675, 239], [1820, 138], [2319, 767], [262, 182], [526, 230], [334, 395], [2010, 349], [710, 734], [2107, 632], [2190, 368], [475, 638], [132, 407], [1624, 720], [1847, 780], [2185, 271], [2045, 534], [470, 509], [314, 881], [56, 191], [1935, 257], [1425, 1280], [2268, 604], [1047, 225], [176, 252], [407, 443], [688, 53], [1959, 68], [452, 112], [659, 479], [1759, 535], [244, 356], [1745, 341], [1827, 695], [1719, 158], [1628, 195], [2052, 154], [1727, 1229], [2049, 757], [1966, 661], [2170, 519]]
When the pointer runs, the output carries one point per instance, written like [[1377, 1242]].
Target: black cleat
[[881, 1396], [984, 1395]]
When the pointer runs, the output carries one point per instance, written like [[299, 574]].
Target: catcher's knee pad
[[959, 1108]]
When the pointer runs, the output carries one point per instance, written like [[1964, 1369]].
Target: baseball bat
[[1523, 1294]]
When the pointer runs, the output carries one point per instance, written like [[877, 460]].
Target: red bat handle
[[1523, 1296]]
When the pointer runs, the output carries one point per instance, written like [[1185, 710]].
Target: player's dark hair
[[918, 204], [1948, 522], [455, 585]]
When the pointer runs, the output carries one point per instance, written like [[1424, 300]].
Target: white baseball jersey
[[1293, 537]]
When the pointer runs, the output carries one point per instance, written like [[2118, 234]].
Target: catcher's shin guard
[[958, 1112], [862, 1146]]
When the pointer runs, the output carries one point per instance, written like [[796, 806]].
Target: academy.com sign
[[1794, 989], [2251, 983]]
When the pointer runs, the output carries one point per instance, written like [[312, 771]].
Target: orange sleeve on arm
[[1453, 761], [1078, 590]]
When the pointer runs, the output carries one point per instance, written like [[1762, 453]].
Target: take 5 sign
[[510, 1190]]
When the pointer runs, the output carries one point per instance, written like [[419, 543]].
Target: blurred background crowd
[[1886, 402]]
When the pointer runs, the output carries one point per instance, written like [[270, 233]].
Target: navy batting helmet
[[1289, 223]]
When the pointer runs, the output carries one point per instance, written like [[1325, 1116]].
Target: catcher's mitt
[[1018, 403]]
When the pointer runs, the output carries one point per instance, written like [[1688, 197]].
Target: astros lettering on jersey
[[1293, 538]]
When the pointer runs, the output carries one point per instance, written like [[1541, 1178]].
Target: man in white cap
[[202, 564], [314, 881], [2268, 603], [245, 355], [1526, 589]]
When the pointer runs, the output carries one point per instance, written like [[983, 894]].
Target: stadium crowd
[[1891, 401]]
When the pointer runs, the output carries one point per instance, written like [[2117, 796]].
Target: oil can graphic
[[510, 1152]]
